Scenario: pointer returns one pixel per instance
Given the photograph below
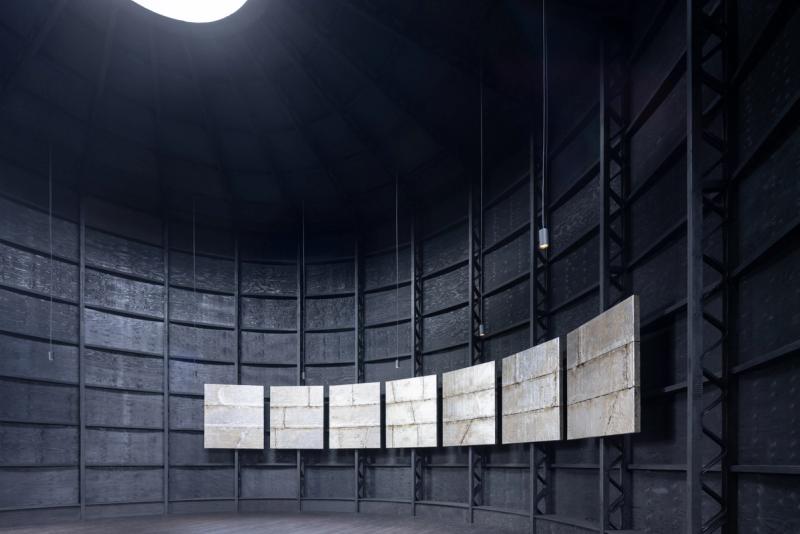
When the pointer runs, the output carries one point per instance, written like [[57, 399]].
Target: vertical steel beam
[[301, 271], [358, 287], [475, 246], [236, 280], [165, 365], [417, 368], [709, 45], [615, 497], [82, 352], [540, 454]]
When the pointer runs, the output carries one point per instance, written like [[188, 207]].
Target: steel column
[[301, 271], [615, 496], [236, 279], [165, 355], [359, 459], [82, 352], [417, 459], [708, 174], [475, 224], [540, 454]]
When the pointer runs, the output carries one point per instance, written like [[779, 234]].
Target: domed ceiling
[[322, 103]]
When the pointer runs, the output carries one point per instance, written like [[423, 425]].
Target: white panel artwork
[[354, 418], [296, 417], [531, 402], [468, 406], [233, 417], [411, 412], [603, 374]]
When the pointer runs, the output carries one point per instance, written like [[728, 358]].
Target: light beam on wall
[[193, 10]]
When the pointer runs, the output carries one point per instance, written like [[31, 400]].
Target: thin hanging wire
[[545, 105], [303, 274], [50, 231], [194, 273], [481, 327], [397, 271]]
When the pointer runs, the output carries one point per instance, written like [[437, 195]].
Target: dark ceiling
[[315, 102]]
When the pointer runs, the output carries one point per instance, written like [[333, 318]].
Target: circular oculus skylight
[[193, 10]]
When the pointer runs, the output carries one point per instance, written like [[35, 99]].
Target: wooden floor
[[306, 523]]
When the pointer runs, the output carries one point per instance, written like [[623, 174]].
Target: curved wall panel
[[108, 420]]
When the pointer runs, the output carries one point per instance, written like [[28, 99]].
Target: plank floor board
[[245, 523]]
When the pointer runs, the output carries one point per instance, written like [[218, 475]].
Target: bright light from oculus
[[193, 10]]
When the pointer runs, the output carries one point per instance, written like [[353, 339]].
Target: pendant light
[[544, 235]]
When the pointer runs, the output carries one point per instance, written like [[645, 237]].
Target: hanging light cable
[[50, 231], [396, 271], [544, 236], [481, 327]]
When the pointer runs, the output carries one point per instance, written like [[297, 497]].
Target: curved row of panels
[[590, 388]]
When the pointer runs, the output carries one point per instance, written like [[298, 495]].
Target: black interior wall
[[139, 326]]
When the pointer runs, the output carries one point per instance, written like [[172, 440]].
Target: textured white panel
[[603, 374], [354, 416], [468, 406], [531, 394], [296, 417], [411, 412], [233, 417]]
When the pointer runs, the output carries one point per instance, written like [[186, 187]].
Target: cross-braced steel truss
[[709, 28], [615, 479]]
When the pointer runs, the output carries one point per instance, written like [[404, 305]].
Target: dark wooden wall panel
[[335, 312], [189, 377], [387, 370], [389, 305], [446, 484], [583, 486], [507, 308], [198, 343], [27, 271], [206, 483], [123, 221], [445, 249], [497, 347], [30, 228], [207, 240], [445, 291], [507, 262], [334, 374], [30, 316], [383, 342], [202, 308], [574, 273], [185, 413], [39, 487], [38, 445], [26, 358], [268, 280], [259, 347], [268, 314], [768, 503], [106, 330], [445, 360], [577, 216], [201, 272], [38, 403], [507, 215], [124, 447], [329, 278], [272, 483], [124, 256], [767, 434], [123, 294], [187, 449], [106, 369], [388, 482], [379, 269], [124, 409], [446, 329], [119, 485], [329, 482], [336, 347], [660, 501]]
